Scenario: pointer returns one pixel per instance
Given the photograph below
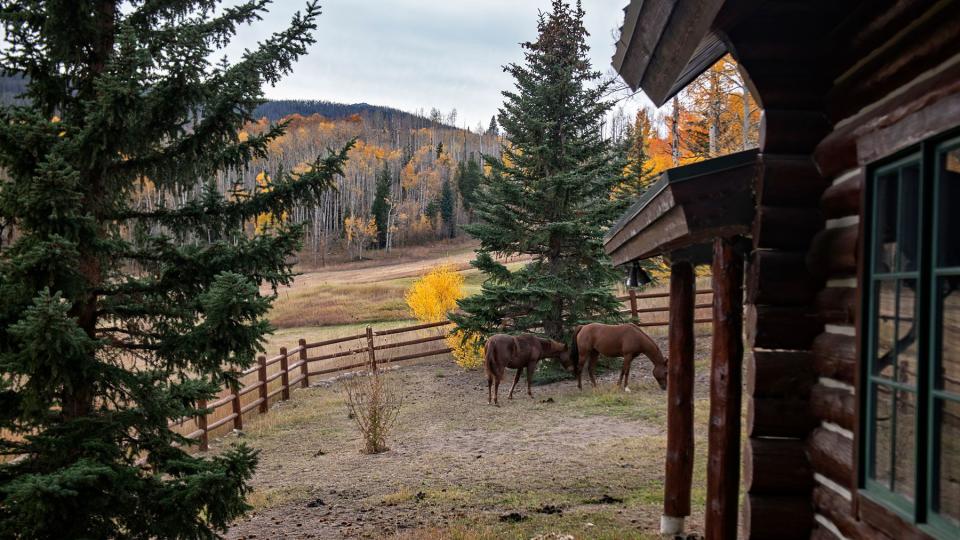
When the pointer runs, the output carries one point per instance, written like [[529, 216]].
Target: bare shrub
[[374, 404]]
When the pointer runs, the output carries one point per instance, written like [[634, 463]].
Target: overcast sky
[[418, 54]]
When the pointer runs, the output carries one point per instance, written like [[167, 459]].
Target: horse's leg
[[531, 367], [580, 376], [515, 381], [594, 356], [625, 371], [496, 388], [490, 388]]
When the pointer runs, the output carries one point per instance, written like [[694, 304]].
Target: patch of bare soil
[[582, 463]]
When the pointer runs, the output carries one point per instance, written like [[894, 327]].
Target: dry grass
[[374, 404]]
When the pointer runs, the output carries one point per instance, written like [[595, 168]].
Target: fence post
[[304, 380], [237, 420], [284, 375], [262, 377], [373, 357], [202, 425], [633, 304]]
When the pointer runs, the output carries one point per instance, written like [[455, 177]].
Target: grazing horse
[[612, 340], [517, 352]]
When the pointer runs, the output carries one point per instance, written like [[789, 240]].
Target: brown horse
[[612, 340], [517, 352]]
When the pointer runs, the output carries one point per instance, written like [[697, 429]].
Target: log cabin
[[835, 258]]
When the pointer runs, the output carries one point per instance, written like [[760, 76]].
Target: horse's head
[[660, 374], [560, 350]]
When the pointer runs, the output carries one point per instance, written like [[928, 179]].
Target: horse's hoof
[[626, 389]]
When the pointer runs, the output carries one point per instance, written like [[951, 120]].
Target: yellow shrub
[[432, 298]]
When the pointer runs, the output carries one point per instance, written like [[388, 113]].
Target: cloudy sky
[[418, 54]]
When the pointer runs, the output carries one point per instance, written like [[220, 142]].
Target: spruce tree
[[381, 205], [468, 178], [116, 318], [550, 196], [448, 208], [493, 129], [638, 174]]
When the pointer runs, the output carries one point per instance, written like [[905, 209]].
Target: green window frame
[[910, 375]]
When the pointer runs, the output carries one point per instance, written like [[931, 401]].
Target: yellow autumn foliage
[[432, 298]]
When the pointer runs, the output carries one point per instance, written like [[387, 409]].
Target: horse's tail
[[575, 350]]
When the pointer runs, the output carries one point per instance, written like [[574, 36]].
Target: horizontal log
[[338, 368], [925, 44], [784, 227], [792, 131], [776, 466], [274, 360], [418, 355], [409, 342], [843, 199], [274, 376], [779, 417], [835, 356], [837, 305], [410, 328], [220, 402], [891, 523], [222, 421], [776, 327], [777, 517], [249, 388], [641, 296], [833, 404], [293, 382], [195, 434], [831, 454], [252, 405], [779, 374], [840, 512], [789, 181], [780, 278], [335, 340], [833, 252], [667, 323], [275, 392], [295, 365], [340, 354]]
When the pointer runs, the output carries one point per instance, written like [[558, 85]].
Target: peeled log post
[[679, 467], [725, 386]]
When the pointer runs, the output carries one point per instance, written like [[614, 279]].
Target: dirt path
[[585, 463]]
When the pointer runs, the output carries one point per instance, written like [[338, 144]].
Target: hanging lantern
[[638, 276]]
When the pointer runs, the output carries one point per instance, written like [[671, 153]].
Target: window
[[910, 443]]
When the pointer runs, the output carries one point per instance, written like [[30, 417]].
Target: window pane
[[885, 235], [905, 410], [948, 196], [880, 463], [946, 477], [886, 302], [892, 450], [907, 346], [947, 374], [909, 221]]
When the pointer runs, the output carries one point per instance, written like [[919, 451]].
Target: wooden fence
[[272, 379]]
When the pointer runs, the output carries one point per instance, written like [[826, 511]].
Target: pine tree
[[469, 177], [116, 319], [550, 197], [493, 129], [638, 174], [448, 208], [381, 205]]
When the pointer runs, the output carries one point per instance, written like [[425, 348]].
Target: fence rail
[[296, 366], [270, 384]]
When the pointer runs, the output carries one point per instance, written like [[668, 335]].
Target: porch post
[[679, 469], [723, 461]]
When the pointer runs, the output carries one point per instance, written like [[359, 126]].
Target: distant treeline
[[277, 109]]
